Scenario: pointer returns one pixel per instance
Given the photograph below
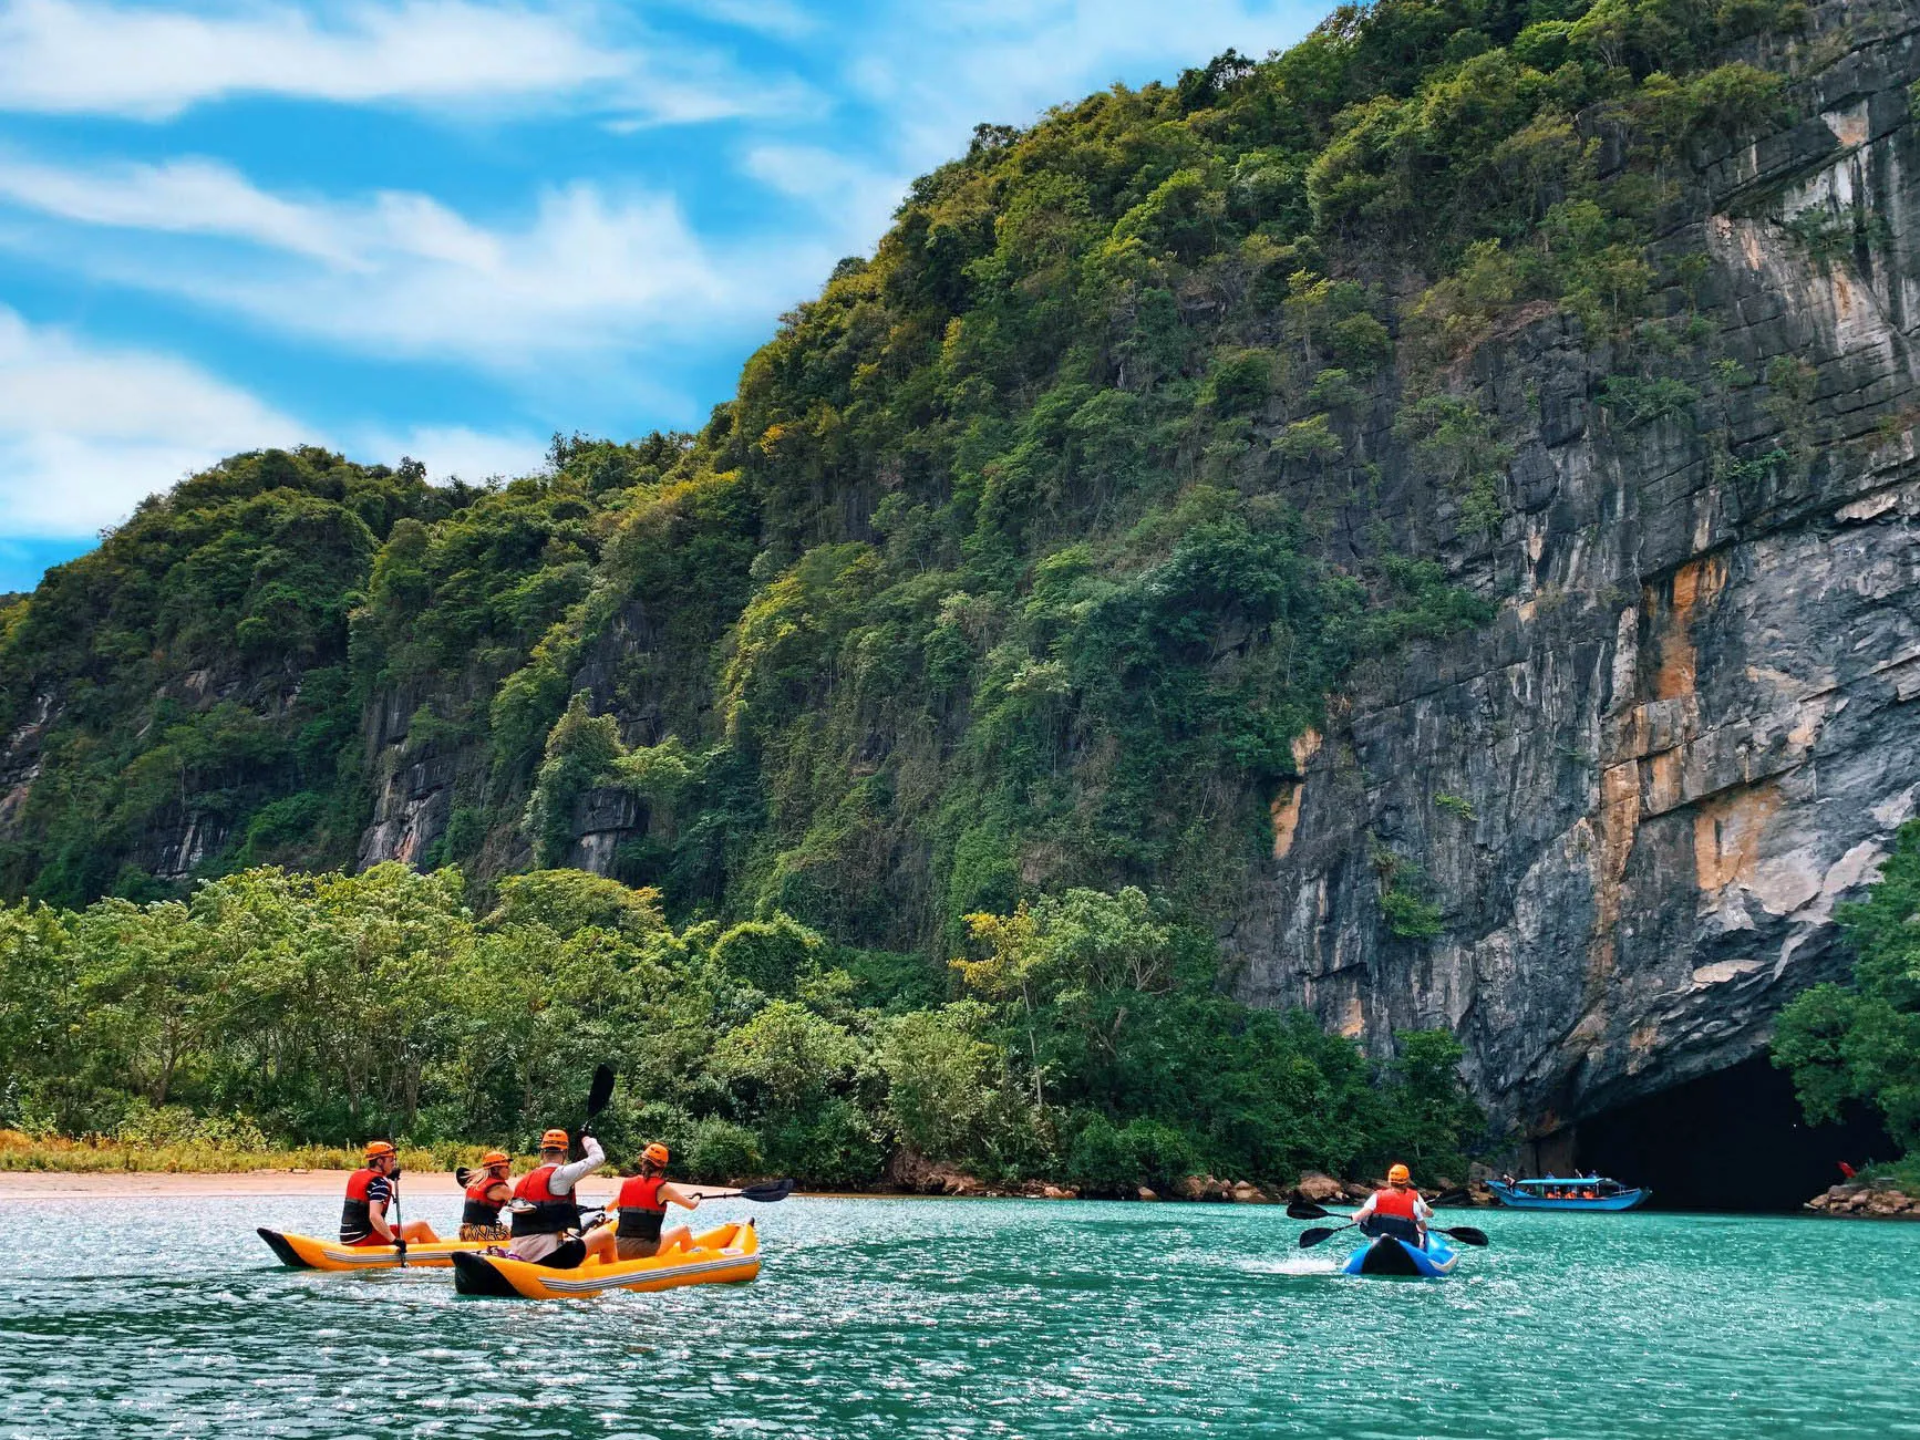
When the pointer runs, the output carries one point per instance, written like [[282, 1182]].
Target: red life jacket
[[479, 1210], [356, 1215], [1397, 1203], [551, 1214], [641, 1208]]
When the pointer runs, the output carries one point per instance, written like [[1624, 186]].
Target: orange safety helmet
[[377, 1148], [496, 1157], [554, 1140], [656, 1154], [1399, 1175]]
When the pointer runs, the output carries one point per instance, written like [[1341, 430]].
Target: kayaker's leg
[[680, 1237], [418, 1232], [602, 1248]]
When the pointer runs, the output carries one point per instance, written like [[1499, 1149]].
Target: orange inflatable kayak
[[728, 1255], [304, 1252]]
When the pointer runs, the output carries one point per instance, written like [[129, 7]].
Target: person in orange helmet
[[643, 1209], [1396, 1209], [547, 1212], [487, 1193], [370, 1190]]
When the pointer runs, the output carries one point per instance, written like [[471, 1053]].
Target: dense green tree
[[1861, 1043]]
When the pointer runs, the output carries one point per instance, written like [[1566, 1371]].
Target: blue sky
[[450, 228]]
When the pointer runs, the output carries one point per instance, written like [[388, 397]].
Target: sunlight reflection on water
[[928, 1318]]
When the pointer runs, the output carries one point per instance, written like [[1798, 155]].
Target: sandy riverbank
[[115, 1185]]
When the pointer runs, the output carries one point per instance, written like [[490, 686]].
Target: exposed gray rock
[[1693, 728]]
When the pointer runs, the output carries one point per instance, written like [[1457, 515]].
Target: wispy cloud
[[456, 452], [152, 63], [399, 272], [189, 196], [86, 431], [1007, 61]]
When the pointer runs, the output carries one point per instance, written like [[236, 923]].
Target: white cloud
[[778, 18], [152, 63], [590, 271], [857, 198], [86, 432], [189, 196], [454, 452], [1007, 61]]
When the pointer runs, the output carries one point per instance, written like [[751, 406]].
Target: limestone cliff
[[1638, 795]]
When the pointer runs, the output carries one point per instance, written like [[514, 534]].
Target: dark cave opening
[[1732, 1140]]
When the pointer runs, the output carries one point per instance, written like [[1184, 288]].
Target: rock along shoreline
[[1866, 1200]]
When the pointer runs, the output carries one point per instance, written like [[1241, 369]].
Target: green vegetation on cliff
[[1012, 574]]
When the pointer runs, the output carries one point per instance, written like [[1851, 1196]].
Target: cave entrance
[[1732, 1140]]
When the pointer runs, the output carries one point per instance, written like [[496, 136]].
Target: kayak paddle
[[1306, 1210], [598, 1094], [766, 1193], [1311, 1238], [399, 1234]]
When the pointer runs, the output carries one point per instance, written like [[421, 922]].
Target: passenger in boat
[[1396, 1210], [545, 1208], [370, 1189], [487, 1193], [643, 1208]]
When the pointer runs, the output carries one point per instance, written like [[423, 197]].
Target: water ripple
[[949, 1319]]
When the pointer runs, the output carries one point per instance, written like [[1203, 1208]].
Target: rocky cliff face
[[1639, 795]]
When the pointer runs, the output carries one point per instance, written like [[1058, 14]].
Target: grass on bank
[[97, 1154]]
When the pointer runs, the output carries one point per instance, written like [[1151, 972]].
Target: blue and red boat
[[1569, 1193]]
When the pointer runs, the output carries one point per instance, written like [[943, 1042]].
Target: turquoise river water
[[965, 1318]]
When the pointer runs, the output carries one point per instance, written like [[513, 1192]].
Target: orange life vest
[[1397, 1203], [641, 1208], [479, 1209], [551, 1213]]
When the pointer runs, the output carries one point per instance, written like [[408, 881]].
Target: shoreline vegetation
[[1078, 1043]]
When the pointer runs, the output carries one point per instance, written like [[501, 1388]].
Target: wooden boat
[[1575, 1193]]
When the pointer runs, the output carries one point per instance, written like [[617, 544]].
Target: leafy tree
[[1862, 1042]]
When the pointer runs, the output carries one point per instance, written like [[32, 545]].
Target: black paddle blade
[[1311, 1238], [1467, 1235], [463, 1177], [767, 1193], [601, 1091], [1306, 1210]]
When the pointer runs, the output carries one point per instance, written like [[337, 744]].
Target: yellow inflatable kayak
[[304, 1252], [729, 1255]]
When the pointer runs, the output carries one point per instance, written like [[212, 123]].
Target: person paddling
[[370, 1190], [1396, 1210], [643, 1209], [545, 1207], [487, 1193]]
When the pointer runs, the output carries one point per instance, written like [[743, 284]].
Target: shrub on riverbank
[[274, 1019]]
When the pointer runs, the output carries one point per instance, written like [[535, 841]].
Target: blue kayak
[[1389, 1256]]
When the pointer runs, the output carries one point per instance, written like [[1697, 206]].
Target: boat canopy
[[1567, 1180]]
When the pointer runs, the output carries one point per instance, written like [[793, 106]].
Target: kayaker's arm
[[377, 1213], [679, 1197], [563, 1179]]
